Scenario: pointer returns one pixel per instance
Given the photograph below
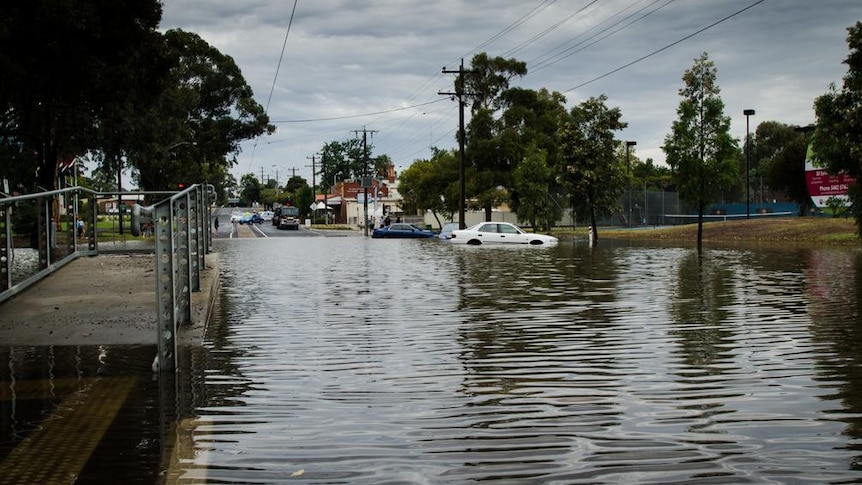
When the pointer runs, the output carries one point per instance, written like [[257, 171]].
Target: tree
[[588, 165], [488, 78], [304, 199], [341, 160], [700, 150], [532, 181], [250, 189], [837, 139], [194, 130], [431, 185], [779, 155], [491, 155]]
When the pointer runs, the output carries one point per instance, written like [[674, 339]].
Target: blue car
[[251, 219], [401, 230]]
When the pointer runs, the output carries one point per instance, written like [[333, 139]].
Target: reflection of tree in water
[[531, 301], [835, 306], [699, 308], [533, 337]]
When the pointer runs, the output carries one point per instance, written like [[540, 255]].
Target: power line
[[555, 26], [614, 71], [275, 77], [283, 47], [527, 16], [347, 117]]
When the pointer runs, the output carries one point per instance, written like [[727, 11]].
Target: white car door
[[511, 235], [489, 234]]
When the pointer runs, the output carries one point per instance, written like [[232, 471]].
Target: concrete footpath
[[108, 299]]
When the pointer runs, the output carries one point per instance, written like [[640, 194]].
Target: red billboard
[[821, 185]]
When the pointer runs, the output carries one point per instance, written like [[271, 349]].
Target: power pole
[[313, 179], [459, 93], [365, 178]]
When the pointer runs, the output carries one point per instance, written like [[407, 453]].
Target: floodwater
[[358, 361]]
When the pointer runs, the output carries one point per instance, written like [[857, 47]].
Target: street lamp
[[629, 144], [747, 113]]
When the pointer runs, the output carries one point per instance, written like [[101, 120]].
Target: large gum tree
[[699, 148]]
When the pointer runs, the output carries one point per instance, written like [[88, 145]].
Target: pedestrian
[[215, 224], [79, 226]]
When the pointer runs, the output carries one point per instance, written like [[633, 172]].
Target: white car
[[235, 216], [499, 233], [266, 215]]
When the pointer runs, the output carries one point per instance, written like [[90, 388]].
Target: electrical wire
[[275, 77], [361, 115], [689, 36]]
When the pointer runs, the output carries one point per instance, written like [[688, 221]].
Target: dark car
[[401, 230], [286, 217], [251, 219]]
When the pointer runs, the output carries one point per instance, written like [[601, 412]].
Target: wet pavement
[[108, 299]]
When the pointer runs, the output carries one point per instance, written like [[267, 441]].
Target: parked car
[[254, 218], [499, 233], [446, 230], [401, 230]]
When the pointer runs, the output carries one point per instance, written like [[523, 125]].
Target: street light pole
[[747, 113], [629, 144]]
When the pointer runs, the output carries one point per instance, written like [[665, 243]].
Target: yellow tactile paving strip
[[65, 439], [186, 466]]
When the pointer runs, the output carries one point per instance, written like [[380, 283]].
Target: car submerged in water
[[401, 230], [499, 233]]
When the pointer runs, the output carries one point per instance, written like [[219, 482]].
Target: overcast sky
[[376, 64]]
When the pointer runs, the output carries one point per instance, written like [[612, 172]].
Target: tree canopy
[[837, 137], [97, 80], [68, 67]]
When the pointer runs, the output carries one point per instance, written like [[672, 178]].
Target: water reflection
[[350, 360]]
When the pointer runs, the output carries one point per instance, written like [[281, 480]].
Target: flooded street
[[352, 360]]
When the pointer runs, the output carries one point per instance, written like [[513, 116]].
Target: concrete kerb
[[107, 299]]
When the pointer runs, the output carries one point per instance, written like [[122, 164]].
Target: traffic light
[[181, 186]]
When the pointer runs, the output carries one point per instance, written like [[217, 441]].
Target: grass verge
[[817, 230]]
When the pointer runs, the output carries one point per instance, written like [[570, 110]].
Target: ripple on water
[[366, 361]]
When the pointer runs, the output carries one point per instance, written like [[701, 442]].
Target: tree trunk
[[594, 230]]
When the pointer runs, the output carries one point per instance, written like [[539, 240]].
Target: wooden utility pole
[[313, 179], [460, 94], [366, 180]]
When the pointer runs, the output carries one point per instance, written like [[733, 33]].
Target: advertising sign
[[821, 185]]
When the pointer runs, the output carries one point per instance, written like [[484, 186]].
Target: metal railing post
[[182, 290], [5, 247], [195, 246], [165, 297]]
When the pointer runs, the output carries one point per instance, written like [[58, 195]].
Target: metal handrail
[[44, 226], [183, 237]]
